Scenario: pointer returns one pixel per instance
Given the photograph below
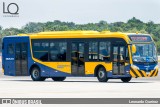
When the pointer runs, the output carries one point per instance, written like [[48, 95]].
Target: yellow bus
[[60, 54]]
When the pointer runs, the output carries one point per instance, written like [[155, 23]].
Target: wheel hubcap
[[101, 74], [35, 74]]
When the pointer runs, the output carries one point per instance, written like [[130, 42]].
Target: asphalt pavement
[[79, 87]]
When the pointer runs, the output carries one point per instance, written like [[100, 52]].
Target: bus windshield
[[145, 53]]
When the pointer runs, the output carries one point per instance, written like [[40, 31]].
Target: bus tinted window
[[58, 51], [93, 51], [49, 51], [115, 53], [104, 51], [10, 49], [122, 53], [40, 50]]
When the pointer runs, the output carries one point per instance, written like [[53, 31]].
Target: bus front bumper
[[141, 73]]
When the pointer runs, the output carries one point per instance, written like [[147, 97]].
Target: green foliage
[[133, 25], [0, 28]]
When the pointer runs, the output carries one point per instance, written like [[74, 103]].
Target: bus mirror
[[133, 49]]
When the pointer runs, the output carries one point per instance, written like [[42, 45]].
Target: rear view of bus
[[144, 56]]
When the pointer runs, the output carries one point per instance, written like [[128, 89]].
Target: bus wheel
[[102, 75], [58, 78], [35, 75], [126, 79]]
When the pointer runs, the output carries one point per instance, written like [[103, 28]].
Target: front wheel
[[35, 75], [126, 79], [58, 78], [102, 75]]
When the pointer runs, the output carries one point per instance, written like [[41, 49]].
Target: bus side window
[[10, 49], [40, 50], [58, 51], [93, 51], [104, 51]]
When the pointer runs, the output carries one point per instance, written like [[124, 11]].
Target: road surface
[[79, 87]]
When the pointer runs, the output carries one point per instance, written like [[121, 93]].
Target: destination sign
[[140, 38]]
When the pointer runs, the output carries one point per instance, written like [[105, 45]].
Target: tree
[[0, 28], [133, 25]]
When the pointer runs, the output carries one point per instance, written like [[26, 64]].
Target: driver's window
[[122, 53], [115, 53]]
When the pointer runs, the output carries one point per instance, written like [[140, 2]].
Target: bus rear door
[[21, 63]]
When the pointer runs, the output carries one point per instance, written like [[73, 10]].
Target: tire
[[36, 75], [126, 79], [58, 78], [102, 75]]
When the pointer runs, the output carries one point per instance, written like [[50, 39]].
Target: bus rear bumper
[[141, 73]]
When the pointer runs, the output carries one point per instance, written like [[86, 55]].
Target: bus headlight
[[134, 66], [156, 67]]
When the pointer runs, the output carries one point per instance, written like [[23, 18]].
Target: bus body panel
[[64, 69], [50, 71], [9, 59]]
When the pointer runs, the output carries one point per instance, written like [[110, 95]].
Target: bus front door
[[77, 59], [21, 59], [118, 59]]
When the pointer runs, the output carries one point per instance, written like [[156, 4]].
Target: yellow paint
[[133, 49], [90, 66], [144, 73], [155, 73], [130, 55], [60, 66], [150, 73], [126, 64], [137, 72], [132, 74], [66, 66], [77, 34]]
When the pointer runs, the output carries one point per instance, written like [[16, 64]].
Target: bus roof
[[74, 34], [78, 34]]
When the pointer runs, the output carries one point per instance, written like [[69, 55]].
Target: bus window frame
[[49, 41], [13, 49], [86, 41]]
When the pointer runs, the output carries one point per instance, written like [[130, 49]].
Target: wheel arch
[[96, 69], [33, 66]]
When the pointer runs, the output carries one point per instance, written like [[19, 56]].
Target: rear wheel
[[58, 78], [102, 75], [35, 75], [126, 79]]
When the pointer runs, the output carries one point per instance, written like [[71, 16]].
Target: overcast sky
[[80, 11]]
